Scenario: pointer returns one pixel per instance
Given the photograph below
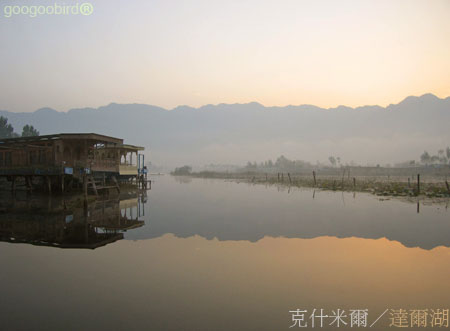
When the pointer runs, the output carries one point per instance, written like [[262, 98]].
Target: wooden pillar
[[117, 184], [62, 183], [85, 186], [29, 181], [70, 186], [418, 183], [49, 184], [94, 187], [13, 184]]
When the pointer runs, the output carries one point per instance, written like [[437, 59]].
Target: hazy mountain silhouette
[[236, 133]]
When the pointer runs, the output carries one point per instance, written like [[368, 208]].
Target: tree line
[[442, 157], [7, 130]]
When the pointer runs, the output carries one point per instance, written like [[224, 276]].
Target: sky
[[170, 53]]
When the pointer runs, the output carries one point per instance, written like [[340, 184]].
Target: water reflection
[[239, 211], [172, 283], [57, 223], [224, 210]]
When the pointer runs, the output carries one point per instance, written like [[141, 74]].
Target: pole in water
[[418, 183], [314, 176], [85, 187]]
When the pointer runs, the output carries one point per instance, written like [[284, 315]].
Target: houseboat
[[67, 158]]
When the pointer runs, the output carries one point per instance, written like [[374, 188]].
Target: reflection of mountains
[[103, 222], [227, 211], [424, 235]]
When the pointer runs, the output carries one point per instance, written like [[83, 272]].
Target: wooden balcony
[[126, 169]]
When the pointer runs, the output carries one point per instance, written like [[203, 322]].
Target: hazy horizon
[[324, 53], [237, 133], [228, 104]]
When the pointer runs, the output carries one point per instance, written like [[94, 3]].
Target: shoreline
[[430, 190]]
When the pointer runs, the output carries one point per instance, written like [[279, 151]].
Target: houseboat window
[[78, 153], [1, 159], [67, 154], [33, 157], [42, 157], [8, 159]]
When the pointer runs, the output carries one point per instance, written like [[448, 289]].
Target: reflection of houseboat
[[101, 223], [63, 158]]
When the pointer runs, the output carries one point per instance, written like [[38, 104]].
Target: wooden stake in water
[[314, 176], [418, 183], [289, 175]]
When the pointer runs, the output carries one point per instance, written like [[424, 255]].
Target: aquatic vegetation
[[379, 185]]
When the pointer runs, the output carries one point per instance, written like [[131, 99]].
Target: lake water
[[203, 254]]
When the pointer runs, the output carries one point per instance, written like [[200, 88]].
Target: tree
[[434, 159], [29, 131], [425, 157], [6, 130], [183, 171], [332, 160], [442, 157]]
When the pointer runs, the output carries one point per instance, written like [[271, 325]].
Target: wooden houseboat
[[67, 157]]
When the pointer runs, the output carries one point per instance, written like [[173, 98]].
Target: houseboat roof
[[64, 136], [127, 147]]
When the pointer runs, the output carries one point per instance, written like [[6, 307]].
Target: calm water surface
[[199, 254]]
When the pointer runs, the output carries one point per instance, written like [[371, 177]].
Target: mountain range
[[237, 133]]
